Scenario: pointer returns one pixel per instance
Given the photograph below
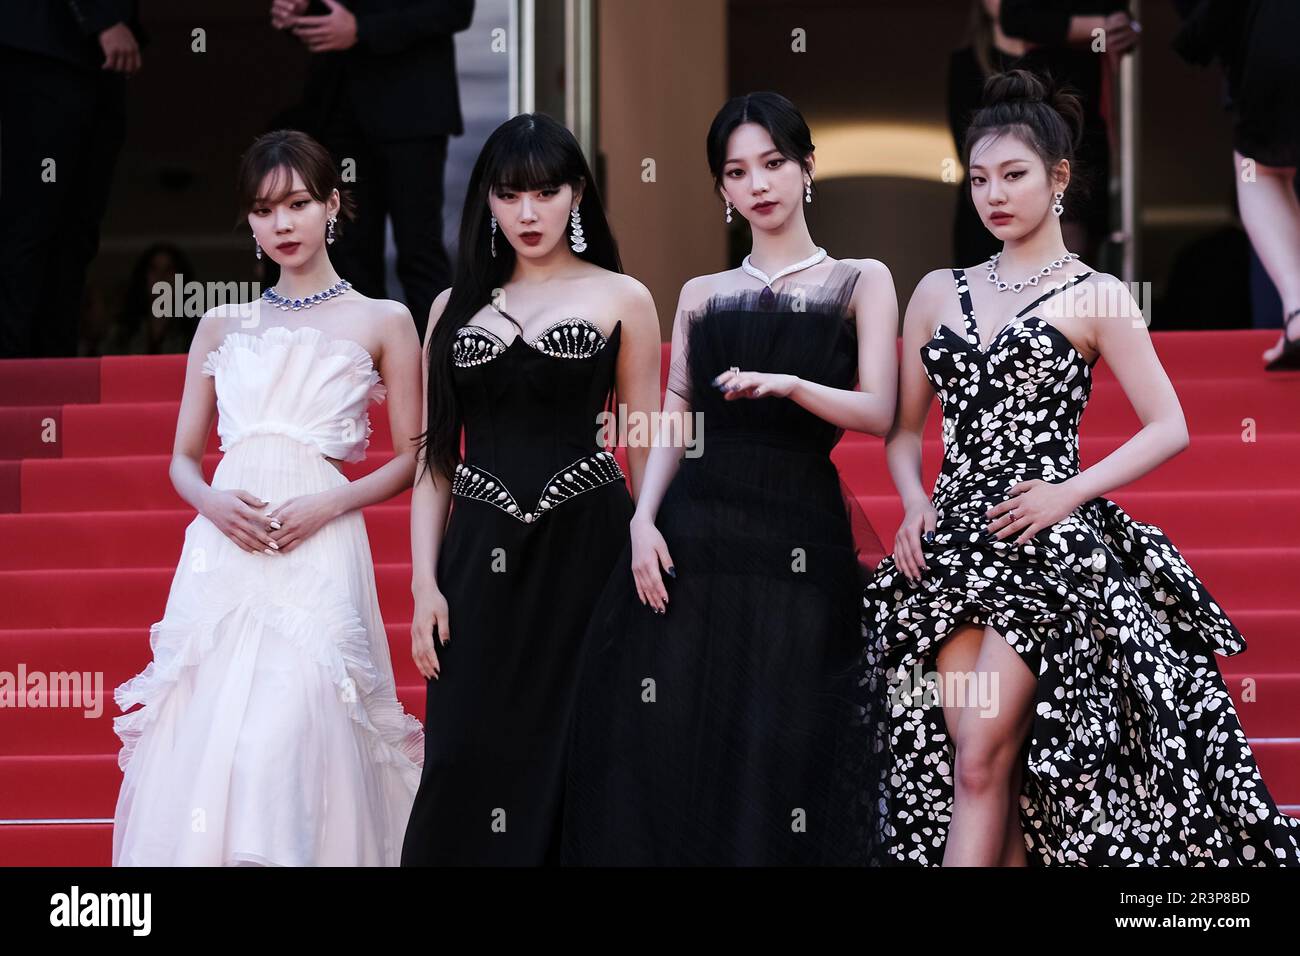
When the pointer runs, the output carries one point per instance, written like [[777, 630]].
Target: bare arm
[[430, 500], [637, 373], [665, 457], [1125, 344], [430, 506], [399, 363], [905, 440], [870, 407], [237, 513]]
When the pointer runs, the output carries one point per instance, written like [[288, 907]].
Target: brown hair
[[289, 149]]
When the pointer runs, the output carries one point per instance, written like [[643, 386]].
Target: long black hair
[[527, 152]]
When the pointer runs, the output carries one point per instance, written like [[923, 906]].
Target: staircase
[[92, 531]]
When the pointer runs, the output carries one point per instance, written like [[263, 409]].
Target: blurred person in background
[[383, 93], [1258, 44], [63, 71]]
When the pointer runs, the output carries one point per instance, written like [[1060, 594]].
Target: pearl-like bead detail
[[585, 474], [571, 338]]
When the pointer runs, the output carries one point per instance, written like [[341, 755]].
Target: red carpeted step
[[148, 428], [121, 652], [135, 596], [59, 786], [33, 431], [59, 844], [54, 381], [74, 728], [120, 539], [141, 483]]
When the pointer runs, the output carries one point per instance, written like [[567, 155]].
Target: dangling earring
[[807, 189], [257, 248], [577, 242], [728, 210], [1056, 206], [329, 230], [492, 243]]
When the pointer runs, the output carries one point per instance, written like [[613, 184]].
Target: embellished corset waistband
[[584, 474]]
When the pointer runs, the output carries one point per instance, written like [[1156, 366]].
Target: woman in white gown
[[270, 731]]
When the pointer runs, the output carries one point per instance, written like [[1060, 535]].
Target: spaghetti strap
[[967, 306], [1073, 280]]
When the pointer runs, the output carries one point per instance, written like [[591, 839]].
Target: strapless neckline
[[284, 332]]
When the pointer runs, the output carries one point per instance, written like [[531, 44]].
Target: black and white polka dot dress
[[1135, 755]]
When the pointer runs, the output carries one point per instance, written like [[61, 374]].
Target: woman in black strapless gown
[[540, 508], [737, 726]]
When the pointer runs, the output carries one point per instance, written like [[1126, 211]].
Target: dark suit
[[390, 103], [62, 123]]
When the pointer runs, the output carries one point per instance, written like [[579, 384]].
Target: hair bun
[[1023, 89], [1014, 86]]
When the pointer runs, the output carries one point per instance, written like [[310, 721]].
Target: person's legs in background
[[358, 251], [413, 177], [42, 102], [85, 203]]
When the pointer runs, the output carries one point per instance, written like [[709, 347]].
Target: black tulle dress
[[539, 514], [735, 728]]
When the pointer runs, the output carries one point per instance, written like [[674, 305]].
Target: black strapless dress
[[1135, 755], [540, 513], [733, 729]]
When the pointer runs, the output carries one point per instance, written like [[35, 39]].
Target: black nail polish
[[929, 536], [672, 573]]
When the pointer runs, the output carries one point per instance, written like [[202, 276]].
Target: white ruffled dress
[[269, 730]]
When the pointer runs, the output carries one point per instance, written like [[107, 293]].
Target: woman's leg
[[1271, 215], [989, 738]]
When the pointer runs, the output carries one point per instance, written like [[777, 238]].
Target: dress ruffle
[[300, 604], [1136, 755]]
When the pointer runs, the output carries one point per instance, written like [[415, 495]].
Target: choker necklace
[[286, 305], [767, 296], [1046, 270]]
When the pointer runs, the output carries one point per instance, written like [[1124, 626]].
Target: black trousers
[[61, 128], [404, 180]]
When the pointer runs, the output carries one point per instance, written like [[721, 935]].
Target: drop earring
[[329, 230], [257, 249], [1056, 206], [577, 243], [728, 202], [492, 243], [807, 189]]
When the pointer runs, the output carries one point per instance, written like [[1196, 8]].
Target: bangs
[[534, 163], [278, 184]]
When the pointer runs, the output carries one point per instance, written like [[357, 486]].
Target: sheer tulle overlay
[[268, 729], [738, 727]]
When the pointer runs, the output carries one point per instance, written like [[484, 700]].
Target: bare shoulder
[[933, 287], [697, 291], [386, 311], [218, 322], [628, 291], [872, 269]]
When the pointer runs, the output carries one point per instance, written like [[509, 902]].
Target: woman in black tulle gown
[[522, 354], [723, 716]]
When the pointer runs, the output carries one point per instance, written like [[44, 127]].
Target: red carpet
[[92, 532]]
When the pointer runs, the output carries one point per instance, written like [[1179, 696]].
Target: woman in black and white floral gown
[[1099, 730]]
